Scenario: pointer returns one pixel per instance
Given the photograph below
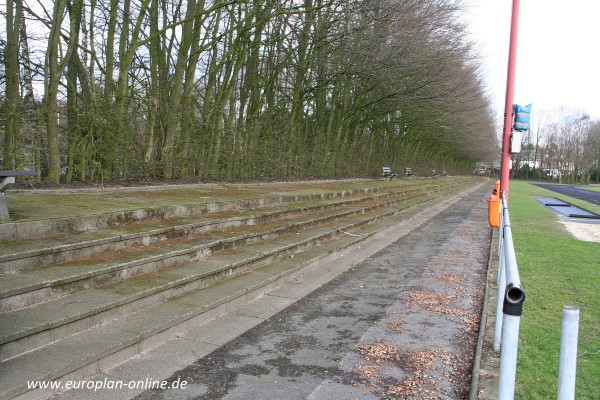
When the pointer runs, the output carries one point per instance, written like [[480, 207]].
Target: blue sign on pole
[[522, 117]]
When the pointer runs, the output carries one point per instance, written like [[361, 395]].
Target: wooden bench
[[387, 173], [409, 173], [7, 178]]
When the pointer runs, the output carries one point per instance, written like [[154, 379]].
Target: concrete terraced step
[[121, 338], [46, 322], [22, 255], [277, 195], [74, 335], [31, 287]]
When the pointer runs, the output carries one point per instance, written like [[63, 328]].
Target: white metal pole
[[568, 353], [501, 280], [500, 302], [508, 357], [512, 309]]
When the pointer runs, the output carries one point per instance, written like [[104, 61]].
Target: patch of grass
[[594, 188], [556, 269]]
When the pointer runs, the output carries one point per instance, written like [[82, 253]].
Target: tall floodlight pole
[[510, 94]]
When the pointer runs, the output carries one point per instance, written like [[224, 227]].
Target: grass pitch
[[556, 269]]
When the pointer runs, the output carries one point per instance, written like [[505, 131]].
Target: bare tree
[[14, 16], [240, 89]]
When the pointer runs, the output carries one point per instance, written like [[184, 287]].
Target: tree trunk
[[14, 14], [51, 82], [74, 125], [184, 61]]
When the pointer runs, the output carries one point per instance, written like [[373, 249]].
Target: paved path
[[402, 324], [590, 196]]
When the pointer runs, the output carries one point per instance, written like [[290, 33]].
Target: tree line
[[239, 89], [563, 145]]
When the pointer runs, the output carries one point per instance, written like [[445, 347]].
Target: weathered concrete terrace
[[94, 279]]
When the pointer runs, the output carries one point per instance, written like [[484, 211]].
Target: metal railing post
[[512, 307], [568, 353], [501, 286], [508, 357], [501, 282]]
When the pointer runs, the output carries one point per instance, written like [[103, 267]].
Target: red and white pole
[[510, 94]]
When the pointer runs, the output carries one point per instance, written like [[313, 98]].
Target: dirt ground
[[588, 231]]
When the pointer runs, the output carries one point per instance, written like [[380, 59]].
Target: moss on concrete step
[[61, 279]]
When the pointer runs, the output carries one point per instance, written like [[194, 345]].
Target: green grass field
[[556, 269]]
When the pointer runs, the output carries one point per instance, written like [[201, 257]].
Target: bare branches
[[256, 89]]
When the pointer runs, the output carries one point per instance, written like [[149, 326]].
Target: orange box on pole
[[494, 205]]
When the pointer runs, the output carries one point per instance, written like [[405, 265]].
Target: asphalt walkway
[[590, 196], [402, 324]]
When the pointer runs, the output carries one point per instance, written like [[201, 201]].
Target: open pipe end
[[514, 296]]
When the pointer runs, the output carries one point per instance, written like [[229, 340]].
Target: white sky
[[558, 58]]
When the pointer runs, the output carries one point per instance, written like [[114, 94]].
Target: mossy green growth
[[39, 205], [556, 270]]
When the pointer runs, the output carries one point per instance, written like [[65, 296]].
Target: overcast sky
[[558, 56]]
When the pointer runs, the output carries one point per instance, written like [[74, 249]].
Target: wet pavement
[[590, 196], [402, 324]]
